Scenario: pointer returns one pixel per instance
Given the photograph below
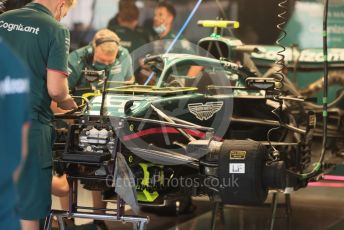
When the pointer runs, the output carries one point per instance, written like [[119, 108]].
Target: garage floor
[[312, 208]]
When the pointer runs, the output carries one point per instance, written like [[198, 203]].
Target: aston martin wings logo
[[205, 111]]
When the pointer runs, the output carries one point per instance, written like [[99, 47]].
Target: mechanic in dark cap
[[125, 25]]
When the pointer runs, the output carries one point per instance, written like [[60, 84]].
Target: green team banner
[[304, 28], [308, 62], [311, 58], [304, 33]]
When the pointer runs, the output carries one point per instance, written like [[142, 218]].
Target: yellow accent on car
[[219, 24]]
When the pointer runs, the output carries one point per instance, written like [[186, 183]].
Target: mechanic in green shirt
[[161, 40], [164, 15], [124, 24], [42, 43], [14, 122], [104, 53]]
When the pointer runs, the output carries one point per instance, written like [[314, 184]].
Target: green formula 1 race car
[[207, 126], [223, 122]]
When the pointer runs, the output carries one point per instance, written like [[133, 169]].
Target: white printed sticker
[[237, 168]]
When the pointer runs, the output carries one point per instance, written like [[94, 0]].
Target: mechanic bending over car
[[35, 34], [104, 53], [14, 124]]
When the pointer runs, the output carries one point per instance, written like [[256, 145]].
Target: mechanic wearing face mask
[[161, 38], [37, 37], [164, 15], [104, 53]]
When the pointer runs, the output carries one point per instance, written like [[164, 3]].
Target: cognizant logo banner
[[10, 86], [18, 27]]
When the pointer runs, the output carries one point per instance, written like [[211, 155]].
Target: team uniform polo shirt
[[14, 109], [42, 43], [170, 35], [120, 70], [182, 46], [130, 39]]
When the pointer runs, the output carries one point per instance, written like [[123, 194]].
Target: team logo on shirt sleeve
[[116, 69], [67, 44]]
